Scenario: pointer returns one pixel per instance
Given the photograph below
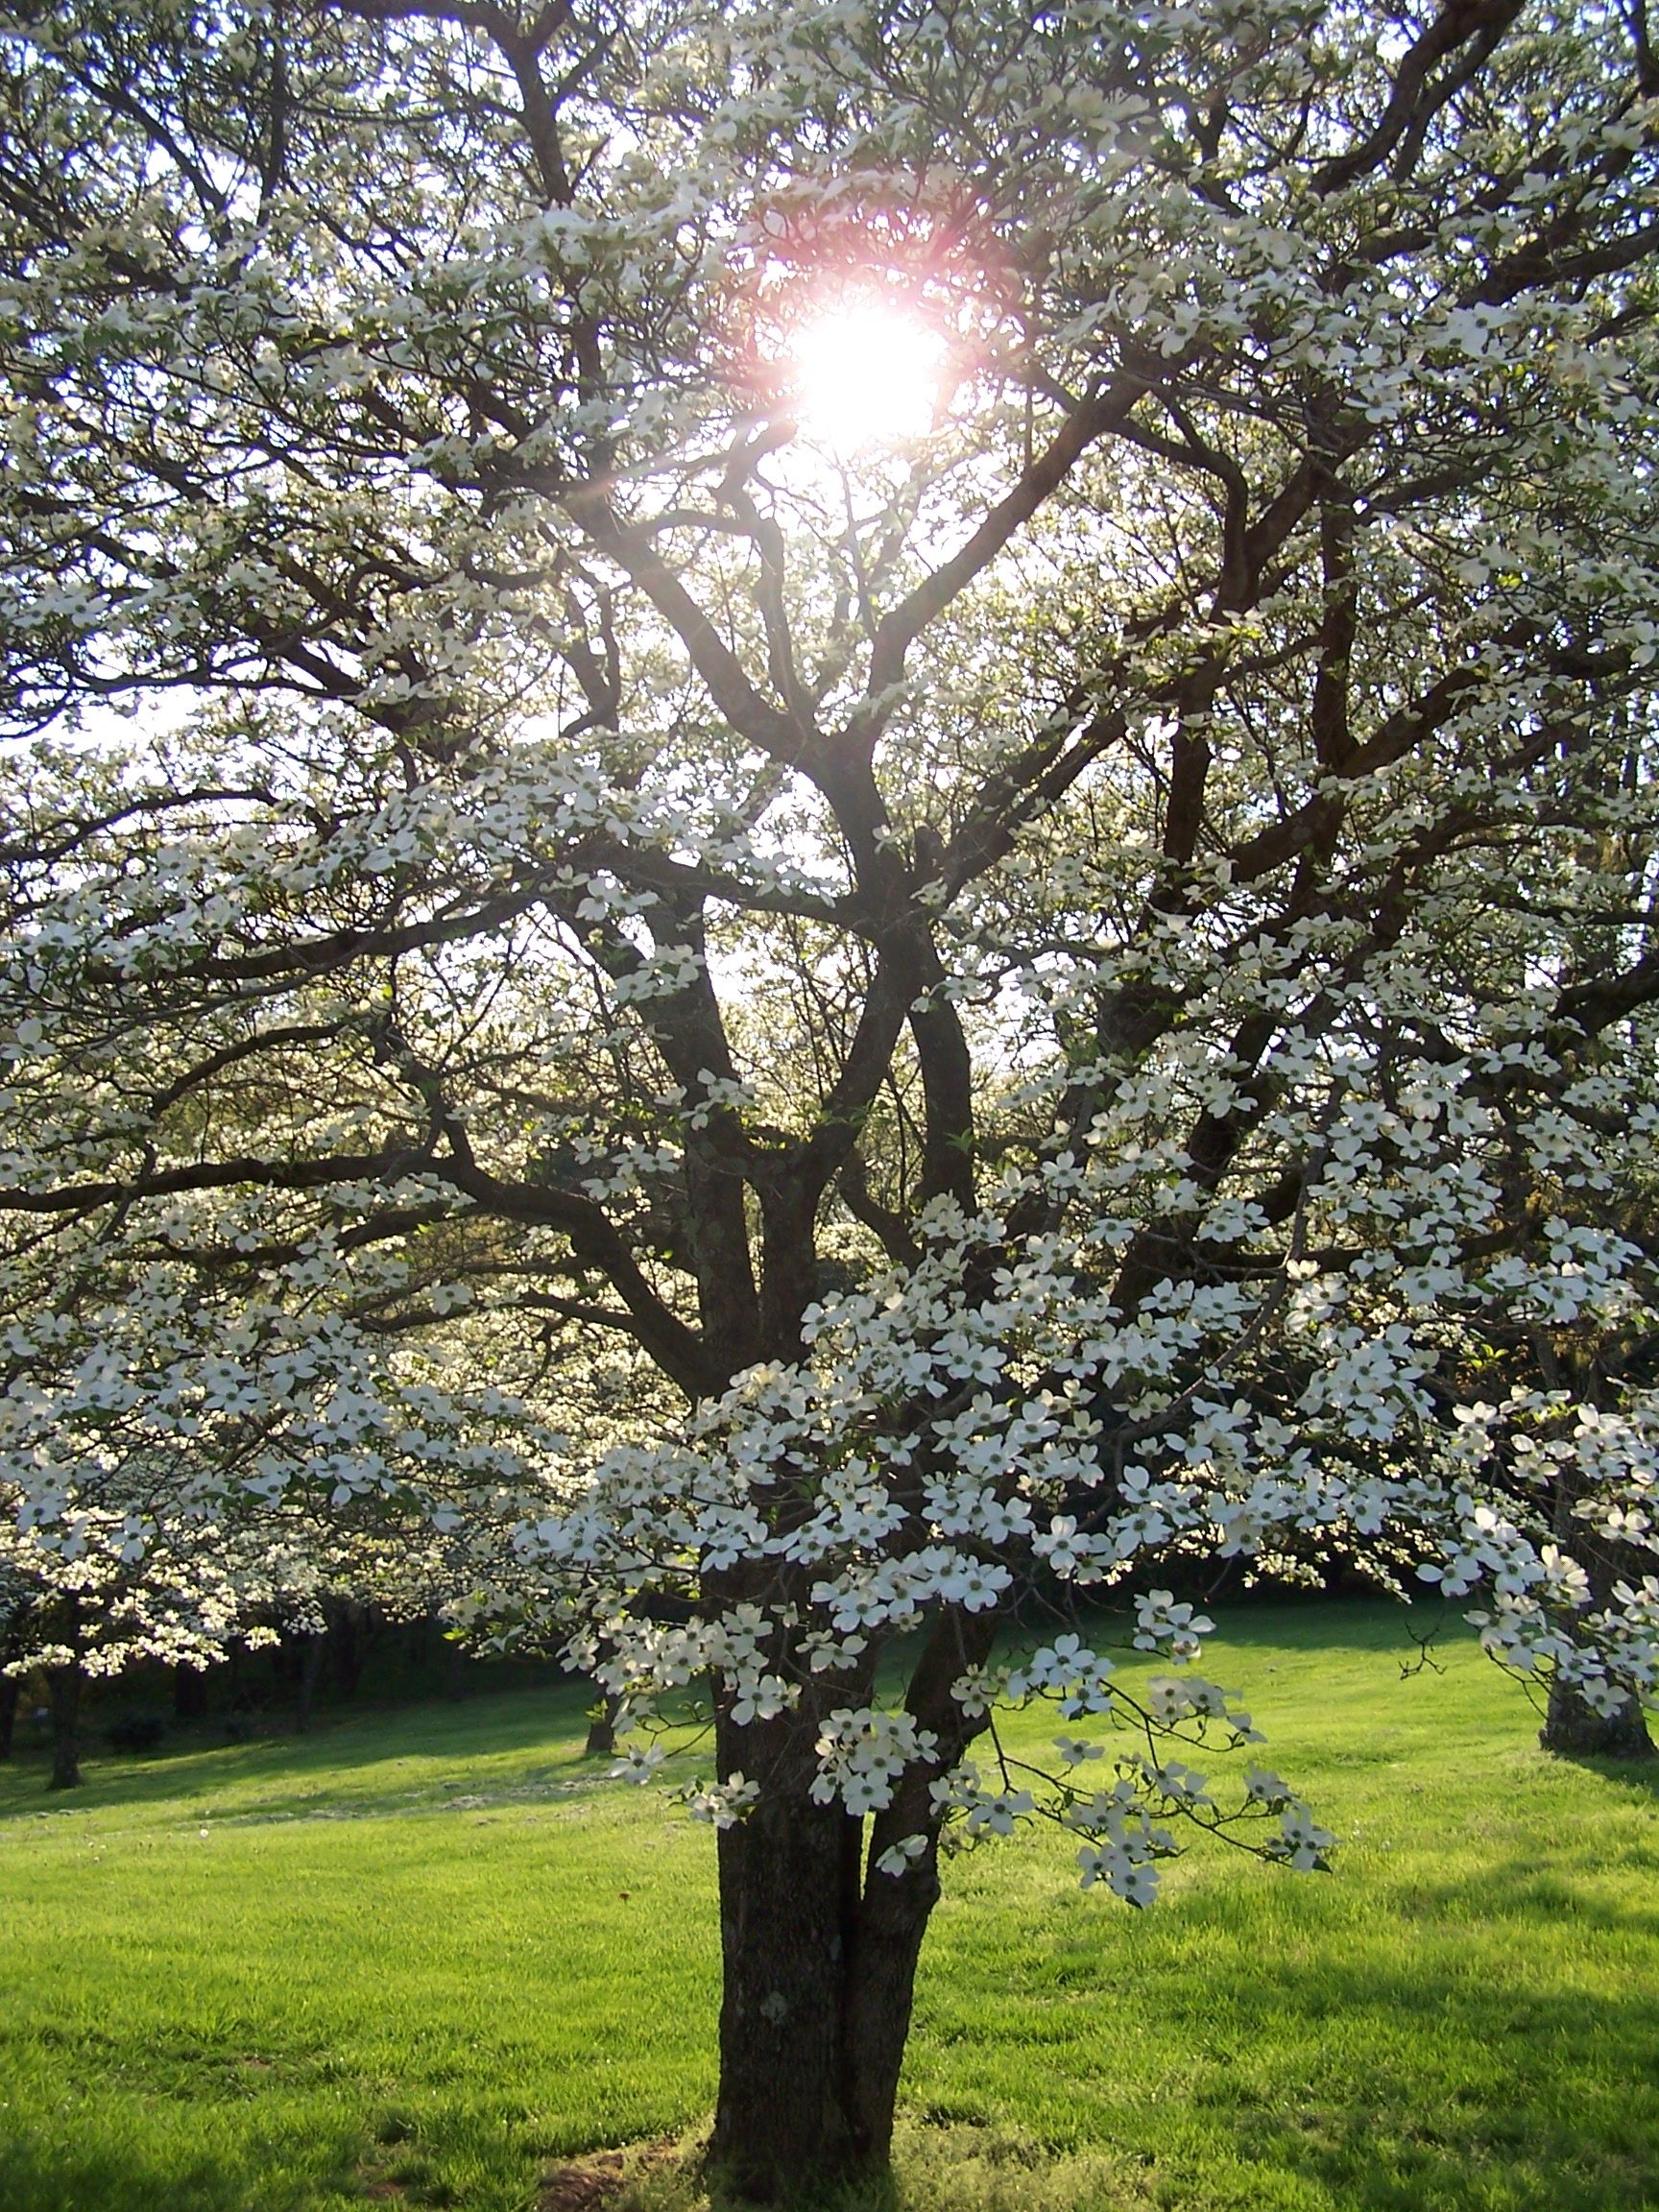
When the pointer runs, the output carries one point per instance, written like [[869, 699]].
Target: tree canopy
[[810, 1032]]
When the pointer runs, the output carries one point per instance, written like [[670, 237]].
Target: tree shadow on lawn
[[36, 2176], [1639, 1778], [1479, 2042], [543, 1727], [1427, 2086], [544, 1724], [1525, 1895], [1240, 2151], [951, 2167]]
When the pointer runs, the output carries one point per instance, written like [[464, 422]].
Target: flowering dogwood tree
[[941, 715]]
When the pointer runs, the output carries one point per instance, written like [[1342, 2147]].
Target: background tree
[[1028, 967]]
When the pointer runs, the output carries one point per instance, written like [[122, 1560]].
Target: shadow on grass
[[1522, 1894], [534, 1722], [1389, 2085], [1419, 2088], [936, 2168], [1639, 1778], [535, 1719], [57, 2178]]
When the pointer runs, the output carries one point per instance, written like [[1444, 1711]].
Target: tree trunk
[[1577, 1730], [64, 1693], [819, 1971], [780, 2123], [819, 1947], [9, 1691], [893, 1918], [311, 1652], [602, 1726], [1571, 1727]]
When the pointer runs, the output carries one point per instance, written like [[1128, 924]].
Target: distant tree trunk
[[1571, 1727], [313, 1647], [602, 1726], [63, 1691], [11, 1689], [189, 1692]]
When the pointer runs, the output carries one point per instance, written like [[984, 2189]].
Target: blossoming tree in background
[[1058, 942]]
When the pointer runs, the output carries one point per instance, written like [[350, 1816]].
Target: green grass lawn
[[417, 1955]]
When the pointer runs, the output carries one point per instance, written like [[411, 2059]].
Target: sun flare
[[865, 376]]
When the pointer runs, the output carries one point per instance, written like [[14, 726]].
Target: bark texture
[[820, 1964], [880, 1988], [783, 2123], [820, 1946], [1577, 1730]]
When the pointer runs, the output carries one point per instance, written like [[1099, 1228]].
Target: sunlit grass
[[416, 1957]]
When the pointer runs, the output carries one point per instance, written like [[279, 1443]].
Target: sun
[[865, 376]]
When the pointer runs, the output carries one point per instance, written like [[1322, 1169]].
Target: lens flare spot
[[865, 376]]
